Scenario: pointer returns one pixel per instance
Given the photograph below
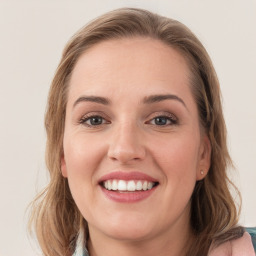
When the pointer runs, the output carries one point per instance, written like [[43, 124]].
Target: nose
[[126, 144]]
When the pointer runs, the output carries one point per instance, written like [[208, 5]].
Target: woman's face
[[133, 149]]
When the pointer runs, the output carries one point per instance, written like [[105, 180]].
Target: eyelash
[[169, 118], [90, 117]]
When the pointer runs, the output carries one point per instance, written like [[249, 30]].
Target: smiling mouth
[[128, 185]]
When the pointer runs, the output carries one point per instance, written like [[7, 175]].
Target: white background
[[32, 36]]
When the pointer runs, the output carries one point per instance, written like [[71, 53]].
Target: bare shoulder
[[238, 247]]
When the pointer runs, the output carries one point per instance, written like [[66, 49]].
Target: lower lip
[[127, 197]]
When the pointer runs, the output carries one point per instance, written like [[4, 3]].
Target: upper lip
[[121, 175]]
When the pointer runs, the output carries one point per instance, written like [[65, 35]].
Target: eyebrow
[[96, 99], [147, 100], [161, 97]]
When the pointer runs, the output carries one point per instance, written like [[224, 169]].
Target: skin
[[125, 71]]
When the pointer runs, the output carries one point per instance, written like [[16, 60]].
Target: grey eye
[[161, 120], [94, 120]]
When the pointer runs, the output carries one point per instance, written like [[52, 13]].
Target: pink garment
[[238, 247]]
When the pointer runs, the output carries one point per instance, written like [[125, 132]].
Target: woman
[[136, 146]]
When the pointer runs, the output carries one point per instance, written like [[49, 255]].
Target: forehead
[[129, 63]]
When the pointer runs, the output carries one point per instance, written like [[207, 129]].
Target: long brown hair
[[214, 215]]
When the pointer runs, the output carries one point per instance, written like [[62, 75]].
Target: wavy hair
[[214, 215]]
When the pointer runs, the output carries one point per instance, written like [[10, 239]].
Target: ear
[[204, 158], [63, 167]]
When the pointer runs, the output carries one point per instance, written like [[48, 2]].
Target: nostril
[[126, 144], [124, 155]]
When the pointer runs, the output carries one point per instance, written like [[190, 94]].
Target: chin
[[129, 233], [130, 227]]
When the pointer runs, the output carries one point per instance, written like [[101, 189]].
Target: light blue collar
[[80, 245]]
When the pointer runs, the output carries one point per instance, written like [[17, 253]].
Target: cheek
[[179, 155], [82, 156], [178, 160]]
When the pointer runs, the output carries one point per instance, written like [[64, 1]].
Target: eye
[[163, 120], [93, 120]]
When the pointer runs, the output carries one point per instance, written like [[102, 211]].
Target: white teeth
[[114, 185], [109, 184], [131, 185], [139, 185], [150, 185], [145, 185], [121, 185]]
